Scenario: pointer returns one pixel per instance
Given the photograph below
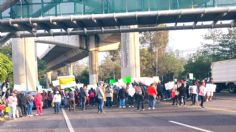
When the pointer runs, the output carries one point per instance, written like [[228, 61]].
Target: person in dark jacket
[[122, 95], [139, 95], [182, 93], [83, 98], [22, 103]]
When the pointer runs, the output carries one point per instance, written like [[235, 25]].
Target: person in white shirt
[[57, 101], [12, 103], [131, 92]]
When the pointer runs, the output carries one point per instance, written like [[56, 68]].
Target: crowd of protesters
[[130, 95]]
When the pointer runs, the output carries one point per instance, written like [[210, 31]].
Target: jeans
[[56, 107], [131, 100], [100, 105], [193, 98], [122, 102], [202, 100], [83, 103], [29, 108], [181, 98], [140, 101], [152, 101]]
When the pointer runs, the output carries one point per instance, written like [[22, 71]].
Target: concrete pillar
[[93, 60], [49, 78], [70, 69], [130, 56], [24, 56]]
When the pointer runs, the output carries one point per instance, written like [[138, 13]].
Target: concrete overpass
[[91, 18]]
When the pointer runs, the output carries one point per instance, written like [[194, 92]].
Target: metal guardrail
[[37, 8]]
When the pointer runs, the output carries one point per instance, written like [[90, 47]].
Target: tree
[[83, 77], [110, 67], [169, 64], [218, 46], [157, 42], [6, 67], [41, 72]]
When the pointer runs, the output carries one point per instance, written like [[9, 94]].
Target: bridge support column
[[93, 60], [70, 69], [24, 56], [49, 78], [130, 56]]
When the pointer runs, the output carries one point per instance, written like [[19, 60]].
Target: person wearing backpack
[[139, 94], [71, 100], [92, 96]]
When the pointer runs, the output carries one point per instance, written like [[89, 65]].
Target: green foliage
[[83, 77], [6, 67], [110, 67], [41, 73], [220, 46], [168, 64]]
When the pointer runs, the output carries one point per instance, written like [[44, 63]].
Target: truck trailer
[[224, 75]]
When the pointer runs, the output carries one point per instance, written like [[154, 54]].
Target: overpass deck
[[37, 8]]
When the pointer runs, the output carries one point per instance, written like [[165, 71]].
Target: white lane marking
[[68, 123], [193, 127]]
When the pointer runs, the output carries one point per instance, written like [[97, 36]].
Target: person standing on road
[[101, 98], [83, 97], [30, 103], [38, 103], [71, 95], [201, 93], [174, 95], [122, 96], [92, 95], [152, 94], [12, 103], [182, 92], [56, 101], [109, 96], [131, 92], [139, 94], [22, 103], [193, 92]]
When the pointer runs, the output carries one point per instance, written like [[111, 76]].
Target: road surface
[[218, 116]]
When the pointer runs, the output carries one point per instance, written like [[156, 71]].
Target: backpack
[[138, 90], [92, 94]]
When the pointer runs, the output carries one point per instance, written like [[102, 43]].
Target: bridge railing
[[37, 8]]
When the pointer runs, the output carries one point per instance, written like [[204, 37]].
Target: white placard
[[147, 80], [55, 83], [156, 79], [210, 87], [169, 85], [79, 85], [190, 76]]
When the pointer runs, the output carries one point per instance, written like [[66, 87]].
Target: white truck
[[224, 75]]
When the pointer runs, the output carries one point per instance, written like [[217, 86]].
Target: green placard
[[68, 89], [112, 81], [127, 79]]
